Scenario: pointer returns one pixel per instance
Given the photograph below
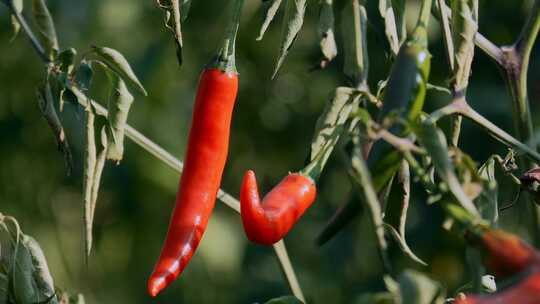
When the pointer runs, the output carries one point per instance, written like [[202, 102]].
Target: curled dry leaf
[[48, 111], [118, 64], [272, 8], [45, 26], [292, 24], [120, 101]]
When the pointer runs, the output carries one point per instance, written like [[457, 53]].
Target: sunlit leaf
[[390, 28], [397, 204], [31, 279], [362, 175], [18, 6], [353, 26], [41, 274], [326, 32], [331, 122], [118, 63], [88, 179], [120, 101], [293, 21], [272, 8], [487, 202], [433, 140], [173, 22], [45, 26]]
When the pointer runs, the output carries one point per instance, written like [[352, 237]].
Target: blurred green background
[[272, 128]]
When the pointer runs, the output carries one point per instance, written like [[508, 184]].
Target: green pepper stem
[[420, 32], [225, 59]]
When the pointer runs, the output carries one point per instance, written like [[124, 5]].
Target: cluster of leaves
[[67, 80], [24, 273], [467, 192]]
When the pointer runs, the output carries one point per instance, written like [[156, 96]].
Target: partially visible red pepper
[[269, 221], [527, 291], [203, 164], [504, 254]]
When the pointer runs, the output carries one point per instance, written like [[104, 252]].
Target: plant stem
[[225, 59], [489, 48], [516, 66]]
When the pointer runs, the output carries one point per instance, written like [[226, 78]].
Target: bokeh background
[[272, 128]]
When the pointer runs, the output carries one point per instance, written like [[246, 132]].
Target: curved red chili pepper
[[268, 222], [527, 291], [505, 254], [203, 166]]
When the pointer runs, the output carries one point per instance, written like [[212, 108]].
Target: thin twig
[[26, 28], [489, 48]]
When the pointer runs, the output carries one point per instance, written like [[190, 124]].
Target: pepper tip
[[155, 285]]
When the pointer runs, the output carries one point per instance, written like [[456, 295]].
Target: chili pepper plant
[[381, 168]]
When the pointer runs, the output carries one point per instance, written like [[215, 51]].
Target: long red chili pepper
[[527, 291], [203, 164], [504, 254], [268, 222]]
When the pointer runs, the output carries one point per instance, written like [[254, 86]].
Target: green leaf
[[417, 288], [433, 140], [84, 75], [41, 274], [437, 88], [326, 32], [354, 25], [45, 26], [390, 28], [31, 279], [88, 181], [284, 300], [400, 240], [18, 6], [330, 124], [120, 101], [67, 60], [48, 111], [395, 215], [361, 174], [173, 22], [272, 8], [292, 24], [92, 176], [118, 64]]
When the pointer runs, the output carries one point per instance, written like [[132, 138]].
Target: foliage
[[438, 183]]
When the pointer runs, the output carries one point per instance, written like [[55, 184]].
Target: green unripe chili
[[404, 95]]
